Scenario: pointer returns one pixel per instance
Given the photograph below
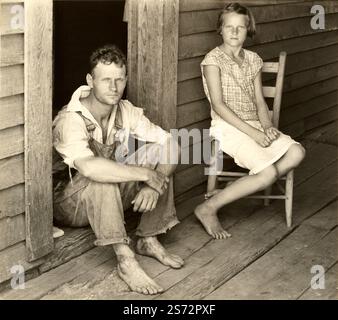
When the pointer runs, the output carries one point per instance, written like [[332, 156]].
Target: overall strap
[[89, 124]]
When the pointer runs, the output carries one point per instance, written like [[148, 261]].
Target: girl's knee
[[297, 153]]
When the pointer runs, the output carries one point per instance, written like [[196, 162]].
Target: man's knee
[[99, 189]]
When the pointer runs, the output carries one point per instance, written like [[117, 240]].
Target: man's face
[[108, 82]]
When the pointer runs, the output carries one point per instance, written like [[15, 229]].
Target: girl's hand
[[262, 139], [272, 133]]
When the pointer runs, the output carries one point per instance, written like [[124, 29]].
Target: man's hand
[[272, 133], [145, 200], [158, 181]]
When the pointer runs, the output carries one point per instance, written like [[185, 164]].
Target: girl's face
[[234, 29]]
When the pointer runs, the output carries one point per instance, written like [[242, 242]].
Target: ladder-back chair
[[287, 191]]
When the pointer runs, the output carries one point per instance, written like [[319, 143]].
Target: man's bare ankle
[[123, 251]]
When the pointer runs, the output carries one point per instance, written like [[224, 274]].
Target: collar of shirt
[[76, 106], [231, 61]]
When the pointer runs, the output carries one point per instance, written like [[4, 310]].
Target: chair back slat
[[269, 92], [271, 67], [275, 92]]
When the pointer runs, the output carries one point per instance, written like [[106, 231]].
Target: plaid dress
[[239, 95]]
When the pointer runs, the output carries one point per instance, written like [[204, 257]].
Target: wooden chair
[[287, 191]]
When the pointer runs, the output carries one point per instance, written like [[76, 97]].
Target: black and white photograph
[[178, 150]]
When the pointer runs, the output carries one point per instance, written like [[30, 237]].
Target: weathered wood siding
[[12, 194], [25, 133], [311, 79]]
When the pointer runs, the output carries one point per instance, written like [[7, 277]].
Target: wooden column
[[153, 56], [38, 127]]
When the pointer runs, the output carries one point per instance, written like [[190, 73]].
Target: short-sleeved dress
[[238, 94]]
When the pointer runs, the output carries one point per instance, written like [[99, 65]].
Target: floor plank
[[93, 275], [36, 288], [185, 239], [325, 134], [247, 245], [284, 272]]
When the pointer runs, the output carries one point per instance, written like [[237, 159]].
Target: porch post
[[38, 127], [153, 57]]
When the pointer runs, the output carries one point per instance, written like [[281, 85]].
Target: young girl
[[240, 119]]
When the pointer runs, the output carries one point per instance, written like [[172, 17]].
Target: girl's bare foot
[[151, 247], [131, 272], [210, 222]]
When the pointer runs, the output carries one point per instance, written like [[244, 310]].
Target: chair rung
[[267, 197], [232, 174], [235, 174]]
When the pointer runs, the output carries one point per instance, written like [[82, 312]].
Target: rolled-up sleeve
[[70, 138], [145, 130]]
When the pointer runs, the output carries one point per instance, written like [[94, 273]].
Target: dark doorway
[[81, 26]]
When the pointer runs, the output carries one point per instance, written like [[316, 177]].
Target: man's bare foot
[[131, 272], [151, 247], [210, 222]]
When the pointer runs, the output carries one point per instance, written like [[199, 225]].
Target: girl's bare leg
[[292, 158], [207, 211]]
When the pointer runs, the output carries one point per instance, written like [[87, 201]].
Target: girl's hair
[[240, 9]]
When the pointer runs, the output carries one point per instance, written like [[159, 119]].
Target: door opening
[[81, 26]]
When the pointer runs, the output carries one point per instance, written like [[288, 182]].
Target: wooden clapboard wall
[[25, 97], [311, 81], [12, 188]]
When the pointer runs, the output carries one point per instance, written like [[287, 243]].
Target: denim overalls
[[81, 201]]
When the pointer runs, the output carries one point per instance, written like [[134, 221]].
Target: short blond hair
[[240, 9]]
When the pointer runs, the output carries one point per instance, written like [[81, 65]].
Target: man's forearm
[[108, 171]]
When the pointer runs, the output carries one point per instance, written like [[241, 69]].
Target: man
[[91, 135]]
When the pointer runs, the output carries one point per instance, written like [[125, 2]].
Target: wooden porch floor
[[263, 259]]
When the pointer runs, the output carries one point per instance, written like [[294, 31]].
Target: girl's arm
[[213, 79], [263, 110]]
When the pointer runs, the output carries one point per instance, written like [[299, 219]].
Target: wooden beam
[[199, 44], [157, 47], [11, 141], [11, 111], [12, 230], [196, 5], [11, 80], [12, 47], [38, 127], [8, 12], [14, 255], [12, 201], [11, 171], [131, 15], [205, 20]]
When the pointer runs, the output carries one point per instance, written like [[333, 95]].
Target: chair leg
[[267, 192], [212, 183], [289, 198], [212, 179]]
